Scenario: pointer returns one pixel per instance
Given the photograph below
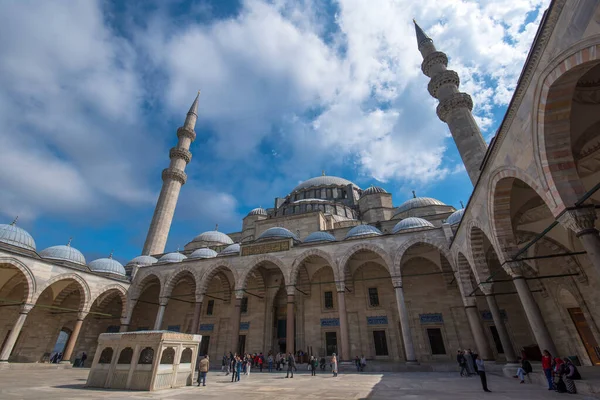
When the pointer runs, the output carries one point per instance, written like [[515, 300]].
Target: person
[[474, 357], [203, 370], [238, 369], [233, 364], [481, 372], [83, 358], [523, 370], [278, 362], [462, 363], [224, 364], [313, 366], [470, 362], [363, 363], [357, 363], [570, 374], [270, 362], [323, 362], [547, 367], [291, 365], [59, 357], [334, 365], [261, 361]]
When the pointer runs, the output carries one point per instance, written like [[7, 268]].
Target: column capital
[[447, 77], [451, 103], [581, 220], [163, 301], [81, 315], [514, 269], [397, 282], [239, 294], [486, 288], [290, 290], [25, 308], [199, 297], [125, 321], [340, 287], [469, 301], [431, 59]]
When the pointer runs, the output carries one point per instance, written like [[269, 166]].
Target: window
[[210, 306], [328, 299], [329, 194], [106, 356], [168, 356], [436, 341], [186, 355], [380, 341], [373, 297], [146, 356], [113, 329], [244, 305], [125, 356]]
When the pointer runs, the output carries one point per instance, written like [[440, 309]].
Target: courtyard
[[66, 384]]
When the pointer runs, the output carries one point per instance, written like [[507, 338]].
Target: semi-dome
[[63, 253], [13, 235], [362, 231], [230, 250], [319, 236], [412, 223], [204, 252], [277, 233], [172, 257], [324, 180], [258, 211], [373, 190], [417, 202], [143, 261], [455, 217], [215, 237], [107, 265]]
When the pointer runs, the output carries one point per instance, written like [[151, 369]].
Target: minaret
[[455, 107], [173, 178]]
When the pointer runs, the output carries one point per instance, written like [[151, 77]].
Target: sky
[[92, 93]]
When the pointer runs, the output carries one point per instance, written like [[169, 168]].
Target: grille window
[[210, 307], [244, 305], [373, 297], [328, 299]]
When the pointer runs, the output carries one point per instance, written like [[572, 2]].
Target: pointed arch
[[403, 248], [141, 284], [106, 293], [344, 272], [293, 277], [176, 276], [26, 271], [84, 289], [212, 271], [254, 263]]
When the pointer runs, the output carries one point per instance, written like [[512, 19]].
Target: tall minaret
[[173, 178], [455, 107]]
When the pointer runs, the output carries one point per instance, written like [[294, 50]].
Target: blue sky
[[92, 92]]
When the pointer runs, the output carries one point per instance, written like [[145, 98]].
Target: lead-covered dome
[[277, 233], [63, 253], [421, 207], [319, 237], [258, 211], [360, 231], [373, 190], [108, 266], [213, 238], [172, 257], [324, 180], [13, 235], [412, 223], [455, 217], [230, 250], [143, 261], [204, 252]]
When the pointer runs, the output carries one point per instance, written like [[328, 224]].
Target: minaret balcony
[[185, 132], [433, 59], [174, 174], [178, 152], [447, 77], [449, 104]]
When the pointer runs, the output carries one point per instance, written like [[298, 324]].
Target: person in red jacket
[[547, 367]]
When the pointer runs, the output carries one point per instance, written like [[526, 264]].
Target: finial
[[15, 220], [414, 194], [216, 227], [177, 249], [194, 107], [414, 21], [323, 173], [111, 254], [69, 243], [461, 204]]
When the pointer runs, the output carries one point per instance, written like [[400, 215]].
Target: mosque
[[335, 268]]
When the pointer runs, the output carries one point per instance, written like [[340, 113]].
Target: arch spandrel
[[29, 277], [293, 275], [173, 279], [84, 291], [439, 245], [107, 290], [343, 270], [242, 279]]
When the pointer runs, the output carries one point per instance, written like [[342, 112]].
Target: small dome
[[63, 253], [277, 233], [172, 257], [324, 180], [319, 237], [204, 253], [216, 237], [455, 217], [230, 250], [412, 223], [258, 211], [373, 190], [107, 265], [362, 231], [143, 261], [12, 234], [417, 202]]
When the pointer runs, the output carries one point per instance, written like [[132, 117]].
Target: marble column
[[290, 323], [405, 324], [125, 324], [581, 221], [345, 350], [532, 311], [478, 332], [196, 319], [14, 333], [509, 351], [68, 353], [236, 319], [160, 314]]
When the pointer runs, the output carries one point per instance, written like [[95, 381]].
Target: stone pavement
[[69, 384]]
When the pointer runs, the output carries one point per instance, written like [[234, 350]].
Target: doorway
[[242, 344], [331, 343], [61, 343], [585, 333], [381, 348], [497, 341], [204, 345]]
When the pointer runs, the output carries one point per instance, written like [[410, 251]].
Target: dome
[[107, 265], [204, 252], [455, 217], [172, 257], [258, 211], [373, 190], [319, 237], [324, 181], [143, 261], [412, 223], [417, 202], [277, 233], [12, 234], [231, 249], [63, 253], [215, 237], [362, 231]]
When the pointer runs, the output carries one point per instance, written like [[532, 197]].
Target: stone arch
[[142, 282], [105, 295], [29, 278], [344, 271], [212, 271], [83, 286], [439, 245], [475, 247], [463, 277], [311, 253], [554, 125], [176, 276], [243, 278]]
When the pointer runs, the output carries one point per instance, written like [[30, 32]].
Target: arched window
[[186, 356], [125, 356], [168, 356], [146, 356], [106, 356]]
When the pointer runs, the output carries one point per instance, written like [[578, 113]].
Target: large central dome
[[324, 181]]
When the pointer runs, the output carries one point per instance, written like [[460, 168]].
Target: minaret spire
[[455, 107], [173, 178]]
